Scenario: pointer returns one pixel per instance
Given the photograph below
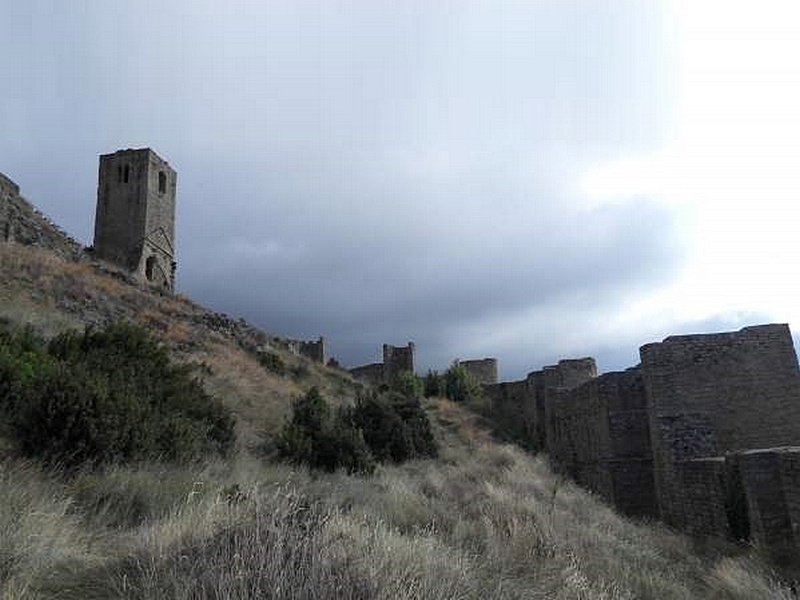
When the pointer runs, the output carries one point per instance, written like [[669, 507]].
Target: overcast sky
[[527, 180]]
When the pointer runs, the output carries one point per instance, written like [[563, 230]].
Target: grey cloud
[[367, 171]]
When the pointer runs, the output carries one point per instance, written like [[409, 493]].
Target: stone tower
[[135, 220]]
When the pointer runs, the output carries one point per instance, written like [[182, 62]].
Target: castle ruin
[[135, 218], [396, 359], [316, 351], [704, 433]]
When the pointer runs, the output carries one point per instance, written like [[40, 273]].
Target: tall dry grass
[[485, 521]]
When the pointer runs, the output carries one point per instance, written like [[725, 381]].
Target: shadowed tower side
[[135, 218]]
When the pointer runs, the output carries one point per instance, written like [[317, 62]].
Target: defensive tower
[[135, 219]]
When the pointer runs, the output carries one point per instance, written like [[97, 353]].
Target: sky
[[526, 180]]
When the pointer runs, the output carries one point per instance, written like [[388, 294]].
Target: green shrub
[[432, 385], [22, 357], [272, 362], [110, 395], [382, 428], [417, 426], [323, 439], [395, 427], [407, 384], [460, 385], [387, 427]]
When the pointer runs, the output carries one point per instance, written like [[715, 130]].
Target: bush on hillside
[[406, 384], [432, 385], [394, 426], [109, 395], [323, 439], [380, 427], [460, 385]]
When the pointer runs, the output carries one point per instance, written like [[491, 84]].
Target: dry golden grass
[[53, 294], [490, 522]]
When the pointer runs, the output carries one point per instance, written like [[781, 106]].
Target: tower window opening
[[126, 173], [162, 182]]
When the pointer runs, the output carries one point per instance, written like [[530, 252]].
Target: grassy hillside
[[252, 371], [484, 520]]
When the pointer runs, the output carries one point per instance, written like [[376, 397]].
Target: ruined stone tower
[[135, 219]]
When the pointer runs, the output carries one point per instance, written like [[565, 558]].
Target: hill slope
[[252, 371], [483, 521]]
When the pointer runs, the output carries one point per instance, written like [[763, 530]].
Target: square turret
[[135, 218]]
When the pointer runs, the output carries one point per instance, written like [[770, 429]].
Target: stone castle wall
[[717, 393], [771, 482], [601, 439], [396, 359], [704, 433], [483, 370], [313, 350], [519, 407], [513, 405]]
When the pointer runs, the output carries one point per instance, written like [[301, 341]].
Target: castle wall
[[600, 437], [513, 407], [483, 370], [704, 497], [572, 372], [771, 482], [373, 373], [539, 382], [551, 385], [712, 394], [313, 350], [397, 359]]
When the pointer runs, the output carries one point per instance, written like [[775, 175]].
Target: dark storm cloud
[[369, 171]]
